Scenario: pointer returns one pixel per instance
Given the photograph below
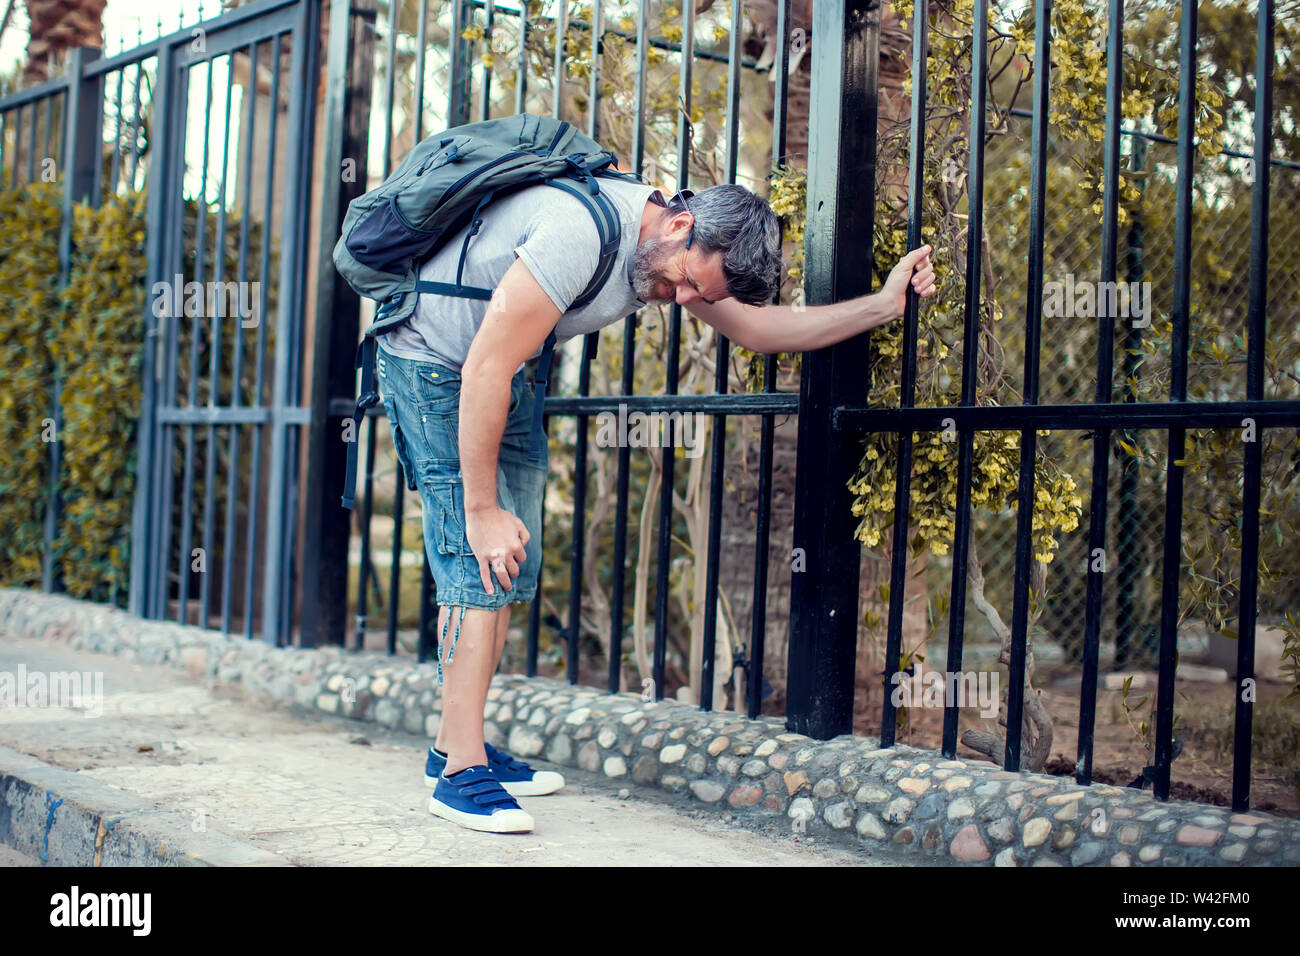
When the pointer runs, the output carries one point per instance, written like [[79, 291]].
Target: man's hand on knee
[[497, 539]]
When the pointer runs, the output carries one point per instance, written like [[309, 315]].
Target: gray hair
[[732, 220]]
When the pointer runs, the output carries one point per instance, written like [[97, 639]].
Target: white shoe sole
[[543, 782], [502, 821]]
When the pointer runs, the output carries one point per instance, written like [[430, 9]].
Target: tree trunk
[[56, 27]]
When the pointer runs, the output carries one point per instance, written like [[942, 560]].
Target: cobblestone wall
[[845, 790]]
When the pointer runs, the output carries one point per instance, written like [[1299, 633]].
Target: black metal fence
[[227, 194], [223, 401], [1103, 416]]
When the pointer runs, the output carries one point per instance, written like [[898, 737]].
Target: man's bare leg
[[464, 688], [466, 681]]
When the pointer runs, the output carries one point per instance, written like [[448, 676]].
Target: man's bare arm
[[781, 328], [770, 329], [517, 322]]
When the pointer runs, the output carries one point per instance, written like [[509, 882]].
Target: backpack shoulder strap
[[607, 224]]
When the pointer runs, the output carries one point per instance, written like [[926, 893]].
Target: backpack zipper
[[564, 128], [451, 155], [460, 183]]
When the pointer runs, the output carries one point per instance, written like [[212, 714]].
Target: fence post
[[158, 179], [840, 216], [281, 513], [81, 139], [336, 327]]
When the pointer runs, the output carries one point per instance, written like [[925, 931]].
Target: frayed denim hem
[[451, 652]]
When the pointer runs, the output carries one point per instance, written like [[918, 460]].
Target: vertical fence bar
[[281, 514], [200, 254], [255, 477], [63, 145], [972, 313], [256, 401], [521, 68], [395, 566], [763, 507], [97, 183], [464, 75], [367, 511], [1256, 319], [336, 326], [18, 146], [1101, 439], [593, 85], [841, 213], [489, 22], [49, 125], [303, 125], [535, 615], [174, 227], [286, 305], [200, 262], [622, 480], [422, 31], [1126, 534], [135, 114], [372, 421], [534, 609], [31, 145], [669, 458], [1171, 566], [1033, 335], [561, 28], [117, 132], [907, 396], [457, 107], [578, 540], [143, 526], [214, 397], [590, 345], [721, 363], [458, 112]]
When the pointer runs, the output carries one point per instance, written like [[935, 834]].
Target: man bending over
[[462, 411]]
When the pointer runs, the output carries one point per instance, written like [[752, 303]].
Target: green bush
[[88, 337], [29, 266], [98, 350]]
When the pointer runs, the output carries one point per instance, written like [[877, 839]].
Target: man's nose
[[685, 295]]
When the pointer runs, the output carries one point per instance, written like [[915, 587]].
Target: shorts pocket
[[446, 494], [437, 389], [403, 454], [401, 446]]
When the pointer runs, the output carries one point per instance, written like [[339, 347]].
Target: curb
[[912, 803], [65, 819]]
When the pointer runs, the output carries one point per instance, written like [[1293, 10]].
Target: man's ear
[[679, 226]]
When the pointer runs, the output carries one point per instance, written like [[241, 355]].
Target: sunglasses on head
[[679, 198]]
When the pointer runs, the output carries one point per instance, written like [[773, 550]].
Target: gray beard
[[647, 265]]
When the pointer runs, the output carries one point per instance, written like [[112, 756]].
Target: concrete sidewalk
[[316, 790]]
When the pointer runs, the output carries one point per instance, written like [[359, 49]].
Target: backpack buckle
[[388, 305]]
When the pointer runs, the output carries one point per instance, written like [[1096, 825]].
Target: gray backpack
[[441, 188]]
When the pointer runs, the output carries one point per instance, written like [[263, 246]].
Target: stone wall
[[914, 803]]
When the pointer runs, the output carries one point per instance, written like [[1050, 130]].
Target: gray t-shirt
[[555, 235]]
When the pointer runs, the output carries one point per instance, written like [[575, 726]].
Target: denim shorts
[[423, 404]]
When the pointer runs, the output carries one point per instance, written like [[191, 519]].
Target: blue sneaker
[[519, 779], [474, 799]]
